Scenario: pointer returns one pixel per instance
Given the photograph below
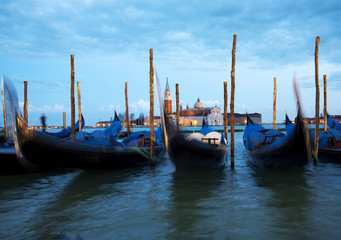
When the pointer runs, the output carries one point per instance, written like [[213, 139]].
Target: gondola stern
[[116, 117], [222, 139], [249, 121], [287, 119], [300, 126]]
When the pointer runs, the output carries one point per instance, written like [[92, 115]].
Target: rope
[[315, 157], [144, 153]]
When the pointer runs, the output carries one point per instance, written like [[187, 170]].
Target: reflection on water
[[244, 203], [23, 200], [191, 201], [287, 200]]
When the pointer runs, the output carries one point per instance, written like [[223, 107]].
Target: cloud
[[111, 107], [210, 103], [140, 106], [242, 107], [177, 36], [330, 69], [334, 81], [269, 107], [106, 29], [192, 43], [132, 12], [281, 29], [60, 108], [56, 108]]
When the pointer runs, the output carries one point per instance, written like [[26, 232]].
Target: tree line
[[132, 118]]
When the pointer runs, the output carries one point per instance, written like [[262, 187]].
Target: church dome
[[198, 104]]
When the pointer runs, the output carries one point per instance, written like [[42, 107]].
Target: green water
[[244, 203]]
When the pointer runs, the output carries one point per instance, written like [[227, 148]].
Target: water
[[244, 203]]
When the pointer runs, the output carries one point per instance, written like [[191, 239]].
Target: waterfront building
[[157, 121], [199, 113], [312, 120], [102, 124], [196, 115]]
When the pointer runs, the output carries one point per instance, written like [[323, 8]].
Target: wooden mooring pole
[[79, 107], [127, 109], [325, 102], [225, 110], [232, 97], [177, 108], [64, 120], [72, 99], [151, 112], [4, 113], [274, 107], [25, 102], [317, 102]]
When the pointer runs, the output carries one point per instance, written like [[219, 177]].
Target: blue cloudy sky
[[192, 42]]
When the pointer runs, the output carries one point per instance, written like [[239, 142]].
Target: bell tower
[[168, 100]]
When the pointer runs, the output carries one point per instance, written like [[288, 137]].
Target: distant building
[[240, 119], [212, 115], [157, 121], [102, 124], [198, 113], [312, 120]]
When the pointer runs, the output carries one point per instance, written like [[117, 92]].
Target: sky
[[192, 45]]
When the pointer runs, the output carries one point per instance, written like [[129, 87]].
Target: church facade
[[192, 116], [198, 113]]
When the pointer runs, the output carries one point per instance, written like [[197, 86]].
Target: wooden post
[[79, 108], [177, 108], [274, 108], [5, 117], [325, 102], [64, 120], [127, 109], [151, 112], [225, 110], [317, 103], [25, 102], [232, 98], [72, 99]]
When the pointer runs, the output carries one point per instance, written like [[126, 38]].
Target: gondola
[[67, 132], [274, 149], [9, 163], [329, 148], [48, 151], [332, 124], [8, 160], [44, 151], [107, 136], [330, 154], [198, 152], [191, 152]]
